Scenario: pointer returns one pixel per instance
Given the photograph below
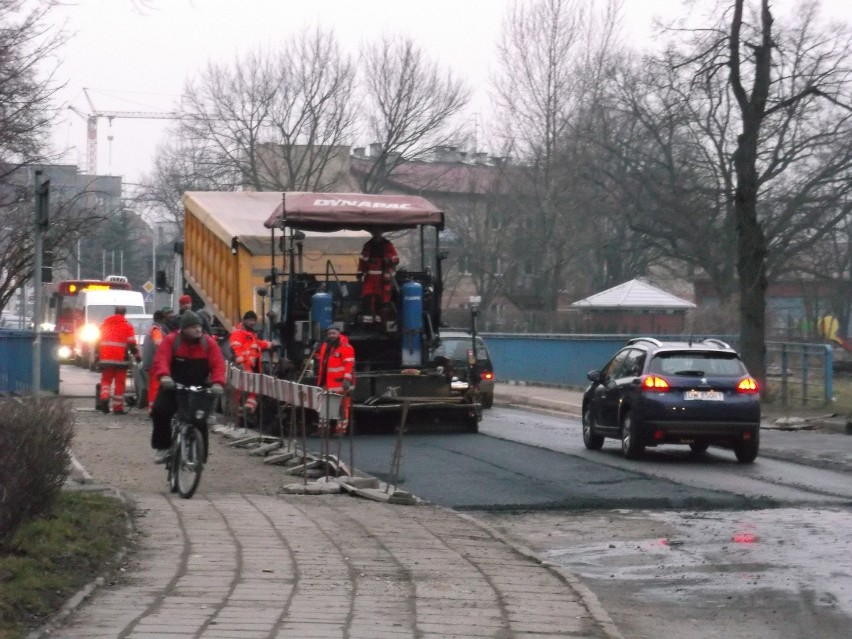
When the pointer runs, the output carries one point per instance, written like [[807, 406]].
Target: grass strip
[[52, 556]]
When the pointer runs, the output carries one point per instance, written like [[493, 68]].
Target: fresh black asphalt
[[476, 472]]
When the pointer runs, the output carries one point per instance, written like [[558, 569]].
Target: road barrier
[[293, 393]]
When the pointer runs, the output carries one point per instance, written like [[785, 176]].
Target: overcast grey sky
[[139, 61]]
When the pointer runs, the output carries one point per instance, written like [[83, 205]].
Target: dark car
[[455, 346], [652, 392]]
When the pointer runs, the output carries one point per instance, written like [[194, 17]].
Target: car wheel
[[631, 446], [746, 452], [699, 447], [487, 400], [591, 439]]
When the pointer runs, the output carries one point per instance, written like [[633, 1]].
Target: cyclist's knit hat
[[184, 299], [250, 315], [189, 318]]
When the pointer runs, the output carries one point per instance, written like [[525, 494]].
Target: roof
[[238, 214], [634, 294], [440, 177], [242, 215], [353, 212]]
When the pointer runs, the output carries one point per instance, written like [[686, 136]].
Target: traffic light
[[160, 283]]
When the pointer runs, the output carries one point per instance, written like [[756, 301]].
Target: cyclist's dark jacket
[[187, 363]]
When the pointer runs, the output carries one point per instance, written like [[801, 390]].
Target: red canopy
[[353, 212]]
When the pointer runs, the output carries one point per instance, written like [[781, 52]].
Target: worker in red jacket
[[376, 268], [336, 371], [117, 338], [188, 356], [247, 348]]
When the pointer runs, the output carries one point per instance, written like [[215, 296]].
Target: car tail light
[[747, 386], [487, 375], [654, 383]]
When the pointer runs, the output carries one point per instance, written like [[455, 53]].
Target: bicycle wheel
[[188, 462], [171, 467]]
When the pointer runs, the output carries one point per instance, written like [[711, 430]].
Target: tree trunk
[[751, 250]]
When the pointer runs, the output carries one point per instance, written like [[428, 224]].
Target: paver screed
[[247, 566]]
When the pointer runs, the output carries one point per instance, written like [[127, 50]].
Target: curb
[[590, 601]]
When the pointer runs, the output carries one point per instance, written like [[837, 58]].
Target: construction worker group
[[179, 347]]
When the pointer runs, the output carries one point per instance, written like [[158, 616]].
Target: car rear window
[[697, 364], [456, 348]]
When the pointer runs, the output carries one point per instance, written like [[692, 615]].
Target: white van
[[96, 307]]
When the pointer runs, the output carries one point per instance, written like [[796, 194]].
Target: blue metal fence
[[564, 360], [16, 361]]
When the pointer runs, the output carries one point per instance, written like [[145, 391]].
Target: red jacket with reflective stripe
[[117, 336], [376, 266], [339, 366], [247, 347]]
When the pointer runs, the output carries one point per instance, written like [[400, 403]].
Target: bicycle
[[131, 388], [187, 453]]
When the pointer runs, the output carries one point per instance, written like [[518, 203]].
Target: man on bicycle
[[189, 357]]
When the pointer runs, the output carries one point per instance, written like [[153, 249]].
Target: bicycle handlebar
[[194, 389]]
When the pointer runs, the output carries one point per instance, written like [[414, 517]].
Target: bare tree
[[552, 55], [410, 107], [479, 243], [74, 212], [813, 72], [185, 165], [668, 155], [281, 120], [26, 85], [26, 114], [762, 170]]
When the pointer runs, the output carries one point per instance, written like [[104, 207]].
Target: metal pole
[[154, 268], [41, 194], [78, 258]]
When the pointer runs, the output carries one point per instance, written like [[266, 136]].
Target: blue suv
[[653, 392]]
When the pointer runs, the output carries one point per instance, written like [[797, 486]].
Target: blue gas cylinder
[[322, 313], [412, 324]]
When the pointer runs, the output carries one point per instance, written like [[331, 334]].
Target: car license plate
[[710, 396]]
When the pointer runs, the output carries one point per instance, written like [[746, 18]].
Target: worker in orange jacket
[[376, 267], [247, 349], [153, 339], [117, 338], [336, 371]]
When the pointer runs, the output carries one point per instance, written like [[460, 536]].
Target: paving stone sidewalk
[[246, 566]]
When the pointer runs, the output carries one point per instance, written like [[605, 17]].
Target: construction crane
[[92, 126]]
